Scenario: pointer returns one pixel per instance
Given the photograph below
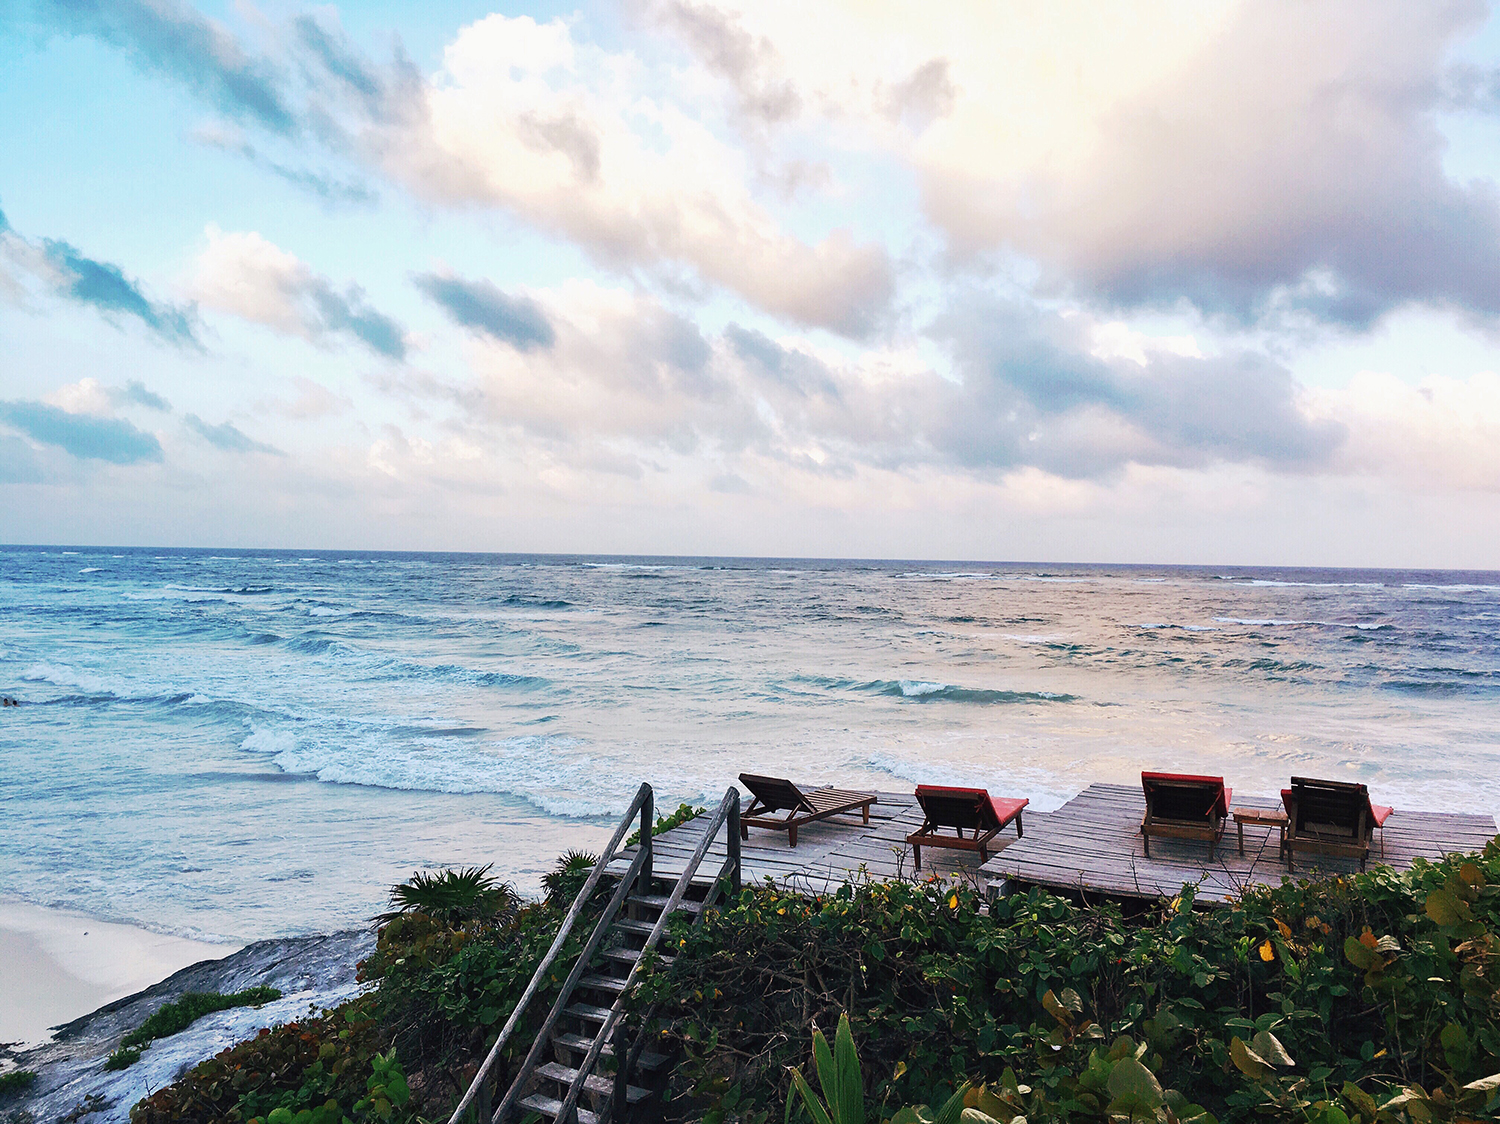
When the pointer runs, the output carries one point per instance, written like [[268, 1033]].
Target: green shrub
[[667, 822], [16, 1080], [455, 897], [1388, 982], [171, 1018], [123, 1058]]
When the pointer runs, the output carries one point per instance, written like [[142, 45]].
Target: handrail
[[729, 809], [623, 1068], [642, 803]]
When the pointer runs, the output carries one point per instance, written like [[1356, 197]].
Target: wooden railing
[[641, 806]]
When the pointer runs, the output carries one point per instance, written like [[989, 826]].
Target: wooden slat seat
[[777, 794], [1331, 818], [1184, 806], [960, 809]]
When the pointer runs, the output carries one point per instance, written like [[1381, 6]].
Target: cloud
[[83, 435], [89, 396], [106, 288], [100, 285], [518, 321], [246, 275], [567, 137], [751, 65], [169, 38], [227, 436], [1065, 394], [329, 188], [18, 463]]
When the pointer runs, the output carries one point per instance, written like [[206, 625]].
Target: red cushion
[[1003, 809], [1006, 808], [1222, 807]]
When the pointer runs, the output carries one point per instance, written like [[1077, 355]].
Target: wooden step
[[612, 984], [596, 1083], [588, 1012], [647, 1060], [630, 925], [550, 1107], [631, 955], [658, 902]]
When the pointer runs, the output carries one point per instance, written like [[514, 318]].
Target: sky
[[1174, 282]]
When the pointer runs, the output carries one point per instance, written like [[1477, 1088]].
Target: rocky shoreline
[[72, 1084]]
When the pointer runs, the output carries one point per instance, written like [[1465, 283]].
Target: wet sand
[[56, 966]]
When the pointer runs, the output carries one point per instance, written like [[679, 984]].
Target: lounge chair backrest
[[1185, 797], [775, 793], [1338, 805], [957, 807]]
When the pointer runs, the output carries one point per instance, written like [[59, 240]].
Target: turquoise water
[[248, 744]]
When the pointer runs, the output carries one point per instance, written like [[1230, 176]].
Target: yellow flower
[[953, 902], [1267, 953]]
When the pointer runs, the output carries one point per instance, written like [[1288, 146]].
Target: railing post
[[622, 1075], [648, 823], [734, 842]]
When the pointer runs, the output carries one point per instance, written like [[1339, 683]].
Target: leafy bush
[[564, 882], [123, 1058], [177, 1016], [667, 822], [1385, 982], [455, 897], [16, 1080]]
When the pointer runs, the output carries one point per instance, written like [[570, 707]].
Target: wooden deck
[[828, 853], [1092, 844]]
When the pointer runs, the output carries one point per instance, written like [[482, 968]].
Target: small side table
[[1267, 817]]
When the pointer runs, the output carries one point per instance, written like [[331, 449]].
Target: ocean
[[244, 744]]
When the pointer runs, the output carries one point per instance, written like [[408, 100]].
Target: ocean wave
[[557, 774], [920, 691], [522, 601], [91, 569]]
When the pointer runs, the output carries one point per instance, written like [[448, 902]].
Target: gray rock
[[72, 1083]]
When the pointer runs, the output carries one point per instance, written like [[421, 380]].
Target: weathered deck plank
[[1093, 844]]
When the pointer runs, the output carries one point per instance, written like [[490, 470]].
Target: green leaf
[[1132, 1084], [828, 1076], [1360, 1099], [1247, 1061], [1444, 908], [1456, 1046], [850, 1108], [809, 1098], [1269, 1048], [1488, 1084], [1361, 955], [953, 1107]]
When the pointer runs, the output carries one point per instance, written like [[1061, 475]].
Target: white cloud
[[1443, 433], [241, 272], [573, 139]]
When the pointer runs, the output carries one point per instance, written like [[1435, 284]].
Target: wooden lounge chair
[[962, 808], [1331, 818], [1184, 806], [776, 794]]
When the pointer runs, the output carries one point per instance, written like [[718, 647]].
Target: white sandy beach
[[56, 966]]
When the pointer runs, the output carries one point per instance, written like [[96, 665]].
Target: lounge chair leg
[[916, 854], [867, 813], [791, 833], [1146, 842], [984, 856], [744, 832], [1019, 832]]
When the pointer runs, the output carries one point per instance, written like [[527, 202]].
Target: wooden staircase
[[584, 1066]]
